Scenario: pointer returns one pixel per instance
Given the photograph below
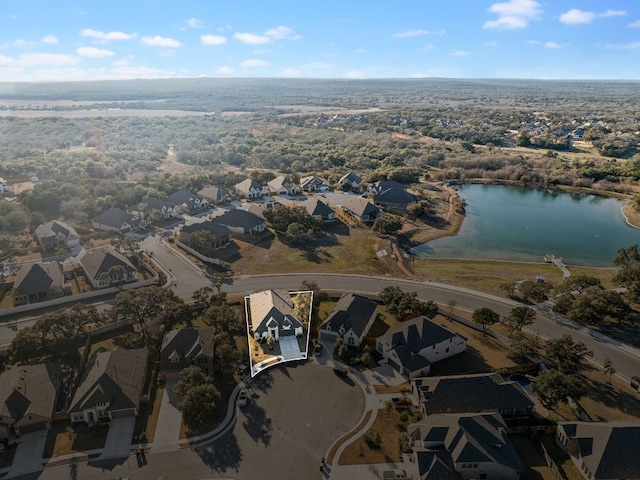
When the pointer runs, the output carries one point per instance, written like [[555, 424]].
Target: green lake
[[523, 224]]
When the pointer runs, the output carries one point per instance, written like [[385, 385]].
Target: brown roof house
[[461, 447], [281, 185], [412, 346], [28, 398], [111, 387], [249, 189], [271, 313], [481, 393], [317, 208], [602, 450], [361, 208], [38, 282], [55, 234], [215, 194], [350, 319], [185, 348], [98, 266]]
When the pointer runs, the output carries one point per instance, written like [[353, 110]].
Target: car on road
[[317, 350], [243, 398], [341, 370]]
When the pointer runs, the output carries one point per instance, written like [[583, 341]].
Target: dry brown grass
[[147, 420], [58, 442], [359, 453], [606, 401]]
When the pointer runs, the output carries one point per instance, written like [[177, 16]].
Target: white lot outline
[[276, 359]]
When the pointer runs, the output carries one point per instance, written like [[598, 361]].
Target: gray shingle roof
[[101, 260], [115, 217], [214, 228], [609, 449], [186, 343], [352, 312], [395, 196], [360, 206], [471, 394], [239, 218], [270, 307], [153, 203], [29, 390], [247, 185], [39, 277], [184, 197], [349, 177], [115, 376], [214, 193], [55, 229], [315, 206]]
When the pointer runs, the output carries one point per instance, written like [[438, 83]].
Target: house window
[[350, 341], [447, 350], [380, 347]]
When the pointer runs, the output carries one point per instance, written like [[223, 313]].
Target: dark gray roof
[[38, 277], [398, 196], [383, 185], [214, 193], [352, 312], [311, 181], [239, 218], [184, 197], [101, 260], [116, 377], [408, 338], [315, 206], [214, 228], [153, 203], [435, 465], [55, 229], [479, 438], [349, 177], [185, 344], [360, 206], [115, 217], [471, 394], [609, 449], [28, 390]]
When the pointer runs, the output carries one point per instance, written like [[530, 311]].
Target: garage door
[[32, 427], [127, 412], [327, 335]]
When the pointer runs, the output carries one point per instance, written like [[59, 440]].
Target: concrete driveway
[[28, 456], [289, 348], [118, 444], [169, 421]]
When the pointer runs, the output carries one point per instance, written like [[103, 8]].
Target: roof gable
[[39, 277]]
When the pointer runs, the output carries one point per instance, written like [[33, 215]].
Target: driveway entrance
[[28, 456], [118, 442], [289, 348]]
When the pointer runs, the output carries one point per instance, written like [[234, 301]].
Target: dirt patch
[[608, 400], [631, 215], [360, 453]]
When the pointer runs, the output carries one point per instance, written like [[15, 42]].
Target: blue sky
[[43, 40]]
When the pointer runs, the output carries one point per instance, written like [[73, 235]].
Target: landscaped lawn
[[87, 438]]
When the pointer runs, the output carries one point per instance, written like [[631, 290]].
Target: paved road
[[293, 416]]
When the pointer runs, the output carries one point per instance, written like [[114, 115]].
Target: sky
[[43, 40]]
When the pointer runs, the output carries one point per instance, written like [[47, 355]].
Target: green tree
[[554, 387], [579, 283], [143, 305], [609, 369], [534, 291], [190, 378], [628, 261], [565, 355], [199, 404], [485, 317], [523, 345], [387, 224], [518, 318], [302, 306]]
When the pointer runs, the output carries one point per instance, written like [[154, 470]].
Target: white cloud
[[225, 70], [39, 59], [20, 43], [282, 33], [552, 45], [251, 38], [195, 23], [635, 24], [158, 41], [514, 14], [533, 42], [627, 46], [93, 52], [460, 53], [577, 17], [411, 33], [210, 40], [107, 36], [49, 39], [254, 63]]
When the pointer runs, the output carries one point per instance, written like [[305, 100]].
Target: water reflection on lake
[[521, 224]]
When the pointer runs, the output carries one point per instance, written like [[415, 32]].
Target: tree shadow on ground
[[610, 396], [263, 382], [338, 228], [530, 456], [222, 454], [107, 464], [468, 362], [257, 424]]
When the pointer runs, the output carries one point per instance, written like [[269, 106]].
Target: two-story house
[[185, 348]]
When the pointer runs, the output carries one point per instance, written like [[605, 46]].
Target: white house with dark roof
[[602, 450], [464, 447], [55, 234], [313, 184], [271, 313], [101, 261], [350, 182], [350, 319], [412, 346], [184, 348], [242, 221], [111, 387], [281, 185], [117, 220], [318, 208], [480, 393], [28, 397], [215, 194], [165, 209], [382, 185], [249, 189], [360, 208], [220, 235], [187, 201], [38, 282]]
